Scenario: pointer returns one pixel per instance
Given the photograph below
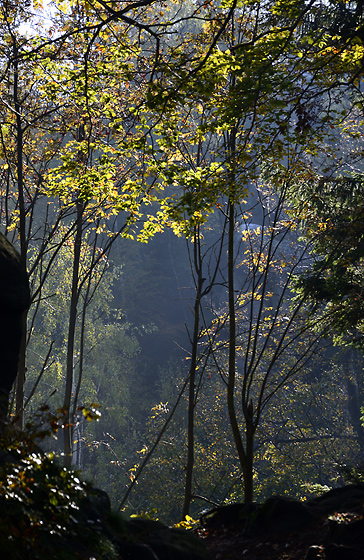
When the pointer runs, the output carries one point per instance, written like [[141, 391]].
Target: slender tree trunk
[[249, 459], [192, 380], [75, 293], [239, 445], [20, 381], [245, 454], [67, 430]]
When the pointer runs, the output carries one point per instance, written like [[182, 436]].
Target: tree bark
[[192, 380], [68, 419], [20, 382], [239, 445]]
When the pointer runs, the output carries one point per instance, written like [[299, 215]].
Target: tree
[[83, 36], [144, 126], [84, 183], [334, 213], [258, 91]]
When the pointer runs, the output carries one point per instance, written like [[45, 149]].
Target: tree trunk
[[68, 420], [192, 381], [249, 459], [20, 382], [239, 445]]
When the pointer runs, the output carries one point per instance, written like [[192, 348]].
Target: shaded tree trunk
[[246, 462], [19, 392], [68, 419], [192, 378]]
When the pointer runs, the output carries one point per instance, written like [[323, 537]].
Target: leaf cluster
[[333, 214], [43, 505]]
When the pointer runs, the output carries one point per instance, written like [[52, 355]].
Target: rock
[[346, 531], [136, 552], [277, 514], [284, 515], [14, 300], [178, 544], [231, 514], [165, 543], [339, 552], [330, 527], [314, 553], [95, 508], [346, 498], [14, 284]]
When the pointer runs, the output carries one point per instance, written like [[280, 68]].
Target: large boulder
[[14, 301], [278, 514], [329, 527]]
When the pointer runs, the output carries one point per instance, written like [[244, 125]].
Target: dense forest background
[[183, 181]]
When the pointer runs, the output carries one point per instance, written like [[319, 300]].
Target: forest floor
[[232, 544], [336, 532]]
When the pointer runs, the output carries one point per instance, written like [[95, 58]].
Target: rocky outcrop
[[14, 300], [279, 514], [137, 538], [330, 527]]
